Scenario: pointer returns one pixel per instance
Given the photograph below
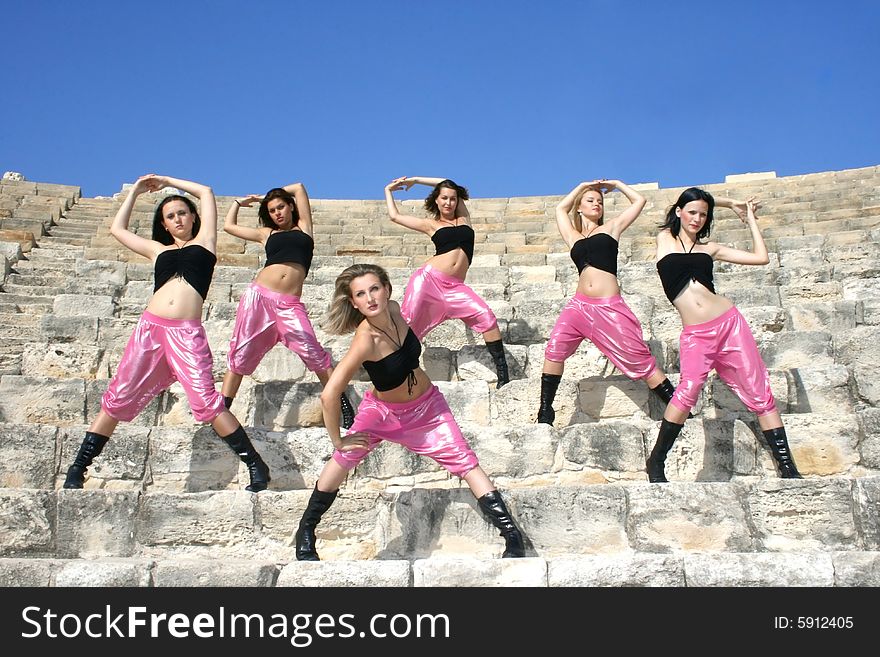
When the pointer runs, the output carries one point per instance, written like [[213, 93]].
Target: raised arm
[[119, 227], [407, 221], [230, 224], [564, 207], [747, 212], [625, 218], [358, 352], [303, 206]]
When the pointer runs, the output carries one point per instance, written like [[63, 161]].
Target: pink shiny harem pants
[[609, 324], [725, 343], [159, 352], [424, 426], [432, 297]]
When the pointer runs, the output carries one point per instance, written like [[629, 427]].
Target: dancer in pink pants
[[270, 310], [715, 334], [437, 291], [169, 341], [597, 312], [404, 406]]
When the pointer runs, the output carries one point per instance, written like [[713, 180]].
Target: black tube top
[[455, 237], [194, 264], [290, 246], [599, 251], [390, 372]]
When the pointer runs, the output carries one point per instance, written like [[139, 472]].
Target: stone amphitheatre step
[[842, 569], [678, 519]]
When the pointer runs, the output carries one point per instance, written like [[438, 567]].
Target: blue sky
[[508, 98]]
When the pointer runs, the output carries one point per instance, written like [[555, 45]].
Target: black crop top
[[397, 367], [678, 269], [599, 251], [194, 264], [455, 237], [290, 246]]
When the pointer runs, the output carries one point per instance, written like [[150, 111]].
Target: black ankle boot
[[239, 443], [227, 402], [665, 390], [657, 460], [492, 505], [347, 412], [305, 539], [496, 350], [91, 447], [549, 385], [778, 442]]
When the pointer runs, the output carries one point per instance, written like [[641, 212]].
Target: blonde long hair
[[341, 316], [575, 216]]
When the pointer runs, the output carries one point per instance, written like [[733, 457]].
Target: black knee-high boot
[[305, 538], [91, 447], [239, 443], [347, 412], [656, 461], [496, 350], [549, 385], [492, 505], [778, 442], [664, 391]]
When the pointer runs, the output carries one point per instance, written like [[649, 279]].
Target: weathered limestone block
[[523, 293], [83, 305], [794, 294], [796, 349], [387, 573], [866, 495], [295, 458], [869, 445], [221, 519], [95, 524], [280, 364], [687, 517], [101, 270], [27, 456], [870, 312], [514, 452], [203, 573], [517, 403], [104, 573], [61, 360], [453, 335], [221, 311], [28, 572], [759, 295], [856, 568], [857, 289], [759, 569], [704, 451], [859, 349], [32, 400], [489, 275], [439, 363], [833, 316], [468, 399], [665, 326], [764, 319], [612, 396], [11, 251], [191, 460], [27, 523], [520, 276], [791, 515], [281, 405], [820, 389], [391, 460], [569, 520], [464, 571], [608, 446], [534, 319], [474, 363], [616, 570], [585, 363], [136, 292], [725, 401], [353, 528], [69, 329]]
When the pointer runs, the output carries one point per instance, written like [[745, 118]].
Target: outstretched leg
[[96, 437], [323, 496], [492, 505]]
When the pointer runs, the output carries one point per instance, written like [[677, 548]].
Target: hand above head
[[608, 185], [745, 208], [752, 206], [249, 200], [400, 183], [147, 183]]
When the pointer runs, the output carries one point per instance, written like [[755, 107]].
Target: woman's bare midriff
[[177, 299], [598, 284], [453, 263], [697, 305], [284, 278], [399, 394]]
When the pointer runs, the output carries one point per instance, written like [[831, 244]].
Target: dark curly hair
[[284, 195], [160, 233], [673, 223], [431, 201]]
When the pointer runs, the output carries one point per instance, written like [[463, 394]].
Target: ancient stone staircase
[[164, 505]]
